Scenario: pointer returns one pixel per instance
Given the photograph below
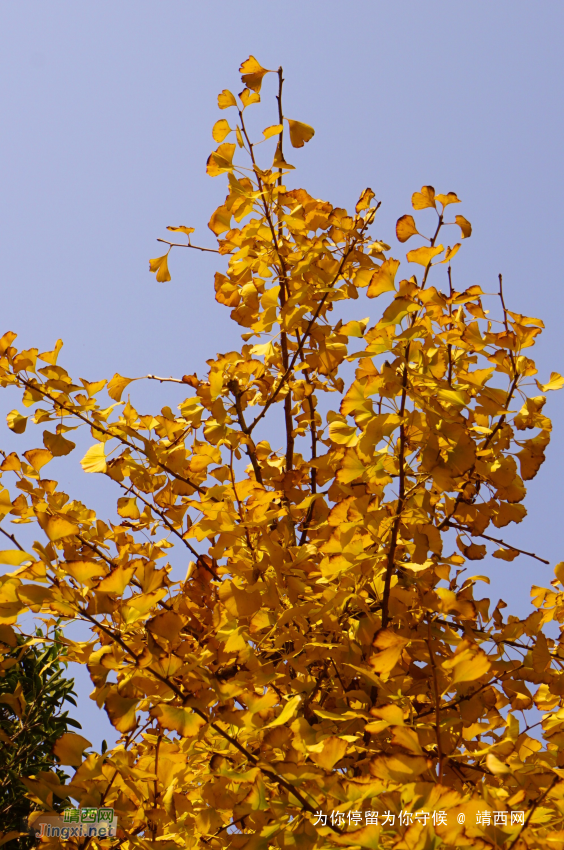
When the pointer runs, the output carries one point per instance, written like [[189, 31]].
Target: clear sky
[[107, 111]]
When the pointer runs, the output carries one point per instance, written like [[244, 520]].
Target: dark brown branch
[[496, 540], [13, 539], [249, 446], [401, 499]]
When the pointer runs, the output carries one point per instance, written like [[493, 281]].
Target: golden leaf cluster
[[327, 650]]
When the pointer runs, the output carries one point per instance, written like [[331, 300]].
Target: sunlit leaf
[[300, 133], [221, 129], [225, 99], [160, 266], [95, 459], [70, 747], [405, 228]]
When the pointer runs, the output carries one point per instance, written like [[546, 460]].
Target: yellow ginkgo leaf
[[220, 220], [423, 199], [85, 571], [16, 422], [423, 256], [383, 279], [70, 747], [95, 459], [51, 356], [343, 434], [464, 225], [14, 557], [121, 712], [160, 266], [221, 160], [57, 527], [127, 507], [117, 580], [468, 666], [252, 73], [279, 161], [57, 444], [181, 229], [365, 200], [405, 228], [178, 719], [334, 750], [300, 133], [496, 766], [249, 97], [450, 198], [225, 99], [392, 646], [37, 458], [287, 713], [117, 385], [450, 253], [220, 130], [273, 130], [556, 383]]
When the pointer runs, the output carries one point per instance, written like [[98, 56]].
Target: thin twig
[[163, 380], [196, 247], [13, 539], [496, 540]]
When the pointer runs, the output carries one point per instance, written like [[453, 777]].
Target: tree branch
[[496, 540]]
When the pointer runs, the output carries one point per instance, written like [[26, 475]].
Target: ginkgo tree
[[328, 673]]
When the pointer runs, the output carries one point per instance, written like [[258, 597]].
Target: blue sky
[[107, 111]]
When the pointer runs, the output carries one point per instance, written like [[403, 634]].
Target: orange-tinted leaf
[[178, 719], [465, 226], [252, 73], [182, 229], [405, 228], [279, 161], [333, 751], [424, 198], [121, 712], [225, 99], [450, 198], [249, 97], [300, 133], [221, 160], [365, 200], [160, 266], [37, 458]]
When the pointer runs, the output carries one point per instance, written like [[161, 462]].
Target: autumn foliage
[[328, 649]]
